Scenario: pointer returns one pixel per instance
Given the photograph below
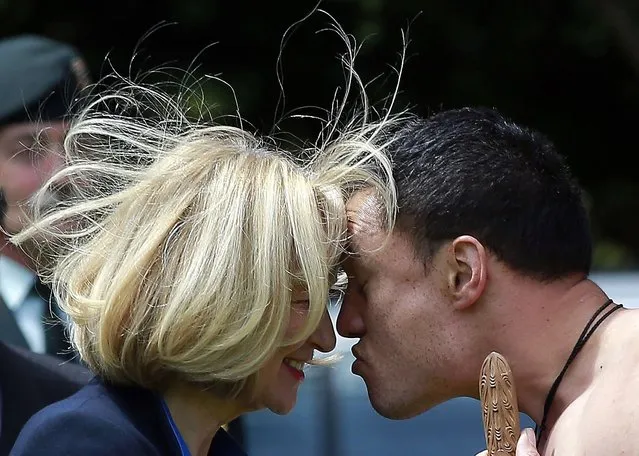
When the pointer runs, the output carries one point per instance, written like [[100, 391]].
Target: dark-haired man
[[491, 252]]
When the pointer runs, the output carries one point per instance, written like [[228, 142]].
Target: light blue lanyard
[[184, 450]]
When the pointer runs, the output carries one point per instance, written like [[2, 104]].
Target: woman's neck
[[198, 415]]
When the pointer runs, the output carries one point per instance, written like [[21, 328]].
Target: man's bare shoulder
[[610, 410], [611, 413], [603, 420]]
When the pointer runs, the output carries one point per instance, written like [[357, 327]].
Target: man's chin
[[385, 406]]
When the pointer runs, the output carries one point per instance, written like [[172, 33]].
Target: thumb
[[527, 444]]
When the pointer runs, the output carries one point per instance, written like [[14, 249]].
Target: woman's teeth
[[299, 365]]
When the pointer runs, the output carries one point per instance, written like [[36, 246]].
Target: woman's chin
[[283, 407]]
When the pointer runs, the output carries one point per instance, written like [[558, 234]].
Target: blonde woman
[[194, 263]]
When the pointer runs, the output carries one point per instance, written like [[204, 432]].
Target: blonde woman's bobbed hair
[[176, 254]]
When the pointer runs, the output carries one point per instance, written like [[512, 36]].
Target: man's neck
[[538, 342]]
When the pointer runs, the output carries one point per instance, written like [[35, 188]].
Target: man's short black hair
[[473, 171]]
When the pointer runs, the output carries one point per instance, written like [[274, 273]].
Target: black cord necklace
[[583, 338]]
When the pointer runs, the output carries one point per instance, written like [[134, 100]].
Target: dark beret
[[39, 78]]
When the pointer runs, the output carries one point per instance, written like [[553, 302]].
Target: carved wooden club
[[500, 411]]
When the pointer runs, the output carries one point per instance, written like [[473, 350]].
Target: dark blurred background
[[568, 68]]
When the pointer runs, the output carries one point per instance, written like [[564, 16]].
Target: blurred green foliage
[[569, 68]]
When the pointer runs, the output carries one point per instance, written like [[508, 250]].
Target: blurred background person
[[39, 78]]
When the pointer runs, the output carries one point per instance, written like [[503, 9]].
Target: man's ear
[[467, 271]]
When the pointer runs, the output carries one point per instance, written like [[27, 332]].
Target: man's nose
[[349, 321]]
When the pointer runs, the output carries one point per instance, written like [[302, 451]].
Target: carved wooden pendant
[[499, 406]]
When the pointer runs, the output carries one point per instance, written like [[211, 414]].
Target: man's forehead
[[364, 222], [363, 213]]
